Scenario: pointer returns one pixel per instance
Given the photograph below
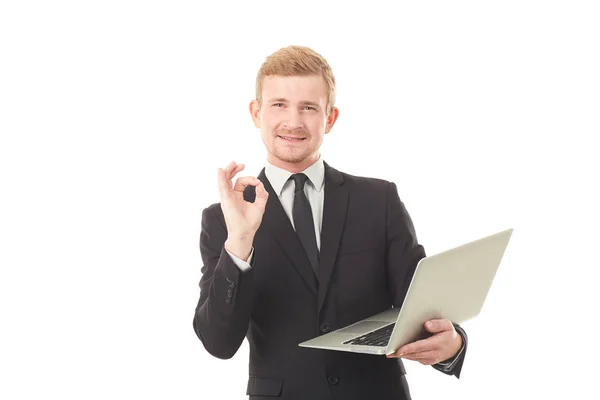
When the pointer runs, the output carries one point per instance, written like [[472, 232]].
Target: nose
[[293, 120]]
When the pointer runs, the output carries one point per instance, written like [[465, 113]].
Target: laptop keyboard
[[379, 337]]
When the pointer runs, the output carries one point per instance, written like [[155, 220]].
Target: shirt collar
[[278, 177]]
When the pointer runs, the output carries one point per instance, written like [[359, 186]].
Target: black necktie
[[303, 221]]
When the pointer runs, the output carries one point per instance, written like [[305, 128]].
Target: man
[[305, 249]]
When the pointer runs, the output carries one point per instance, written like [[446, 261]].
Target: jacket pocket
[[258, 386]]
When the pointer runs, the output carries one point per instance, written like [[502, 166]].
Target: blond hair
[[297, 61]]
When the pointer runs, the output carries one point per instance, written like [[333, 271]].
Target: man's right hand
[[241, 217]]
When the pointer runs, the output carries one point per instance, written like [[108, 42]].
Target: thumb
[[261, 195], [438, 325]]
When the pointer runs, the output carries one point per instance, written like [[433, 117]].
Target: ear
[[255, 112], [331, 118]]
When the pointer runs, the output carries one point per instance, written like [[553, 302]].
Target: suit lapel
[[334, 215], [277, 221]]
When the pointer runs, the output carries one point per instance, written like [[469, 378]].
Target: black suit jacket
[[368, 255]]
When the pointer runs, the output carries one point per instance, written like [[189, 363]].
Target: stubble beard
[[292, 156], [289, 154]]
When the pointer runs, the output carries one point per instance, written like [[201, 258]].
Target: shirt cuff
[[242, 265]]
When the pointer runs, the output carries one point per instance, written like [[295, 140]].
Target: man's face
[[293, 119]]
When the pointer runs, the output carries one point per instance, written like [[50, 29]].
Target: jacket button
[[325, 328], [333, 380]]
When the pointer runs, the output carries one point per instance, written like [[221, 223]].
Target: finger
[[224, 184], [236, 169], [426, 358], [229, 167], [420, 346], [230, 171], [243, 182], [439, 325], [396, 354], [422, 355]]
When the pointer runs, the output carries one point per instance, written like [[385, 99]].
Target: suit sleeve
[[241, 264], [403, 254], [453, 366], [223, 312]]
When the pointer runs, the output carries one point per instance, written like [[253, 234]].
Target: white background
[[115, 115]]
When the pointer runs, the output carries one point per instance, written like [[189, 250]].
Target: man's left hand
[[444, 344]]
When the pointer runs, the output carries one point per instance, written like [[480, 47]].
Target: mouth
[[291, 138]]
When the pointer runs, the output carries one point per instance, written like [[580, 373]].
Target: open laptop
[[452, 284]]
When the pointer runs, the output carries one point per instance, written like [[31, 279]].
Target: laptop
[[452, 284]]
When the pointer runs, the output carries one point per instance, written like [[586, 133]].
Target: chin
[[291, 158]]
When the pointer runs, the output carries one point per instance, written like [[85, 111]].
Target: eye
[[278, 104], [311, 108]]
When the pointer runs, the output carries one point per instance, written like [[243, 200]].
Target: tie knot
[[299, 180]]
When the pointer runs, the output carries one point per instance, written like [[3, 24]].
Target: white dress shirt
[[285, 187]]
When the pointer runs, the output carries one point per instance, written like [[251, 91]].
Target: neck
[[294, 168]]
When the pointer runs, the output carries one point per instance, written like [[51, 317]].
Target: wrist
[[239, 247]]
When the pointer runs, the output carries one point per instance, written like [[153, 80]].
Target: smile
[[291, 139]]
